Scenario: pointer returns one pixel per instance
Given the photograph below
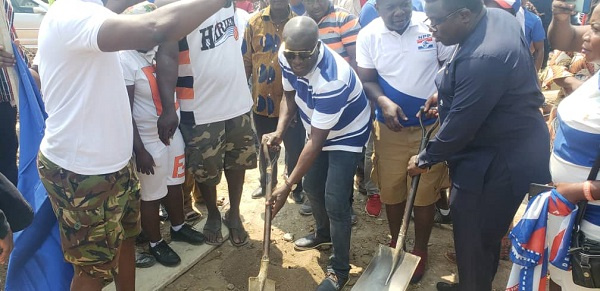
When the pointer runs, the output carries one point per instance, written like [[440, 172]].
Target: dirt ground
[[228, 268]]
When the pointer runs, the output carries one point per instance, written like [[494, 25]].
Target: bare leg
[[394, 214], [150, 219], [212, 228], [173, 202], [423, 226], [235, 182], [82, 281], [125, 279]]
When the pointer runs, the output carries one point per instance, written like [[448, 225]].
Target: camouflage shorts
[[95, 214], [210, 148]]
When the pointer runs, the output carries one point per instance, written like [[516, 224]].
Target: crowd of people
[[149, 104]]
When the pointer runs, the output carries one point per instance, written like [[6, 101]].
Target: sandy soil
[[228, 268]]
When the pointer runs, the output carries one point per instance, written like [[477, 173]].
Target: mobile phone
[[535, 189], [582, 6]]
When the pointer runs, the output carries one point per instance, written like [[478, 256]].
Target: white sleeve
[[364, 59], [81, 33], [444, 52], [128, 66]]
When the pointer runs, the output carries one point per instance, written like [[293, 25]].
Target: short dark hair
[[453, 5]]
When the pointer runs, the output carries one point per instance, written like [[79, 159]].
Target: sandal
[[235, 229], [215, 230], [191, 215]]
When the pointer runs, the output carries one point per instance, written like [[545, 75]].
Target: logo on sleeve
[[425, 42]]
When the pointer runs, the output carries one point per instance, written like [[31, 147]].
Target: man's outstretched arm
[[169, 23]]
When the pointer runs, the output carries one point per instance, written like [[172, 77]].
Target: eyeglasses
[[432, 23], [303, 55]]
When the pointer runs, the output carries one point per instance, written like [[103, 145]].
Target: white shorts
[[169, 168], [561, 277]]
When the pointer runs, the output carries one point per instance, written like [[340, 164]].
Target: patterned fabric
[[331, 97], [262, 40], [95, 214], [217, 146], [338, 29], [567, 64], [530, 254]]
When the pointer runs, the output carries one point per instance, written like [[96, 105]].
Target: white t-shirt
[[88, 130], [147, 107], [220, 86]]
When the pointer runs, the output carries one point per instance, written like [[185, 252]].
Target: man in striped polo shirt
[[335, 113], [338, 28]]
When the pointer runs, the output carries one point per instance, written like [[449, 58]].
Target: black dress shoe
[[332, 283], [165, 255], [443, 286], [188, 234], [144, 260], [310, 242], [258, 193]]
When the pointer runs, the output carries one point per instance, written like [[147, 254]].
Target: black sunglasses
[[303, 55]]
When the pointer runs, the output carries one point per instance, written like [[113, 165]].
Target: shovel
[[261, 282], [392, 269]]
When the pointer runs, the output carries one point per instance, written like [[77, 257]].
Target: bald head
[[300, 33]]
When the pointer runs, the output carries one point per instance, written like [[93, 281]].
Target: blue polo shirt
[[489, 101], [534, 30]]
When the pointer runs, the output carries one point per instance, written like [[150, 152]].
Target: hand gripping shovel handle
[[410, 200]]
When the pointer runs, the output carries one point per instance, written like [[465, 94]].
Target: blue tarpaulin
[[36, 262]]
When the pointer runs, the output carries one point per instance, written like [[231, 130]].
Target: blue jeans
[[329, 186]]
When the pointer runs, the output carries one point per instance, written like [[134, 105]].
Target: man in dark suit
[[492, 133]]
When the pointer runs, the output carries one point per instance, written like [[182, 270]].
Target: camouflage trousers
[[214, 147], [95, 214]]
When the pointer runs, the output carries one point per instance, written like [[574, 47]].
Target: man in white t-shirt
[[85, 153], [212, 90]]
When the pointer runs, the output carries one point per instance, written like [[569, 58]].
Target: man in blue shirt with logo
[[397, 62]]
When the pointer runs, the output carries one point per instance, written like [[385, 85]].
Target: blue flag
[[36, 262]]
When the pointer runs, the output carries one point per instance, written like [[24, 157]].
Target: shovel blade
[[254, 284], [374, 277]]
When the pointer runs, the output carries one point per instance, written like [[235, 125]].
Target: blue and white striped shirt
[[331, 97], [576, 145]]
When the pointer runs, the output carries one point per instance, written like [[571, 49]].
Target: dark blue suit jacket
[[489, 102]]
